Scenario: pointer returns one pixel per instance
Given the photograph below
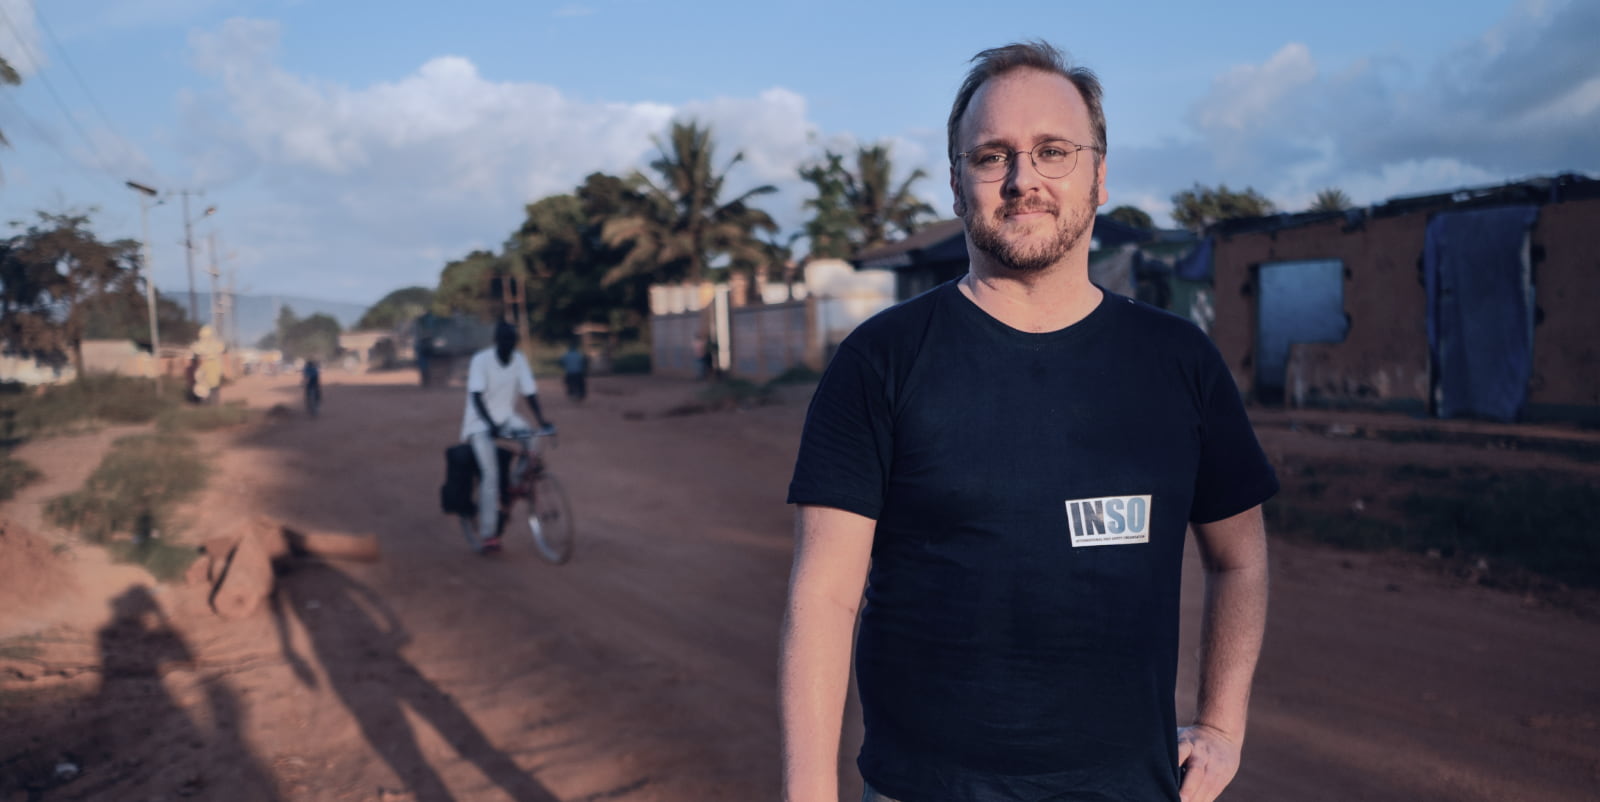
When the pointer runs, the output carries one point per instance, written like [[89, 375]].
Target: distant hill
[[258, 314]]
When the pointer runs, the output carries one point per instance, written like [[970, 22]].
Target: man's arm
[[538, 414], [1234, 553], [483, 412], [831, 551]]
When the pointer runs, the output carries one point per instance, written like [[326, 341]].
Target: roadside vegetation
[[14, 475], [128, 503], [1522, 531], [99, 400]]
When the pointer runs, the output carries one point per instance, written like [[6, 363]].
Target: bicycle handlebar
[[526, 434]]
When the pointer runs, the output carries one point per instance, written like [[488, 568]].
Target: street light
[[146, 194]]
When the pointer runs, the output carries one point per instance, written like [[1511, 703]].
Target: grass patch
[[798, 374], [1529, 528], [1410, 472], [90, 400], [726, 391], [21, 648], [1529, 521], [164, 560], [14, 475], [203, 418], [631, 357], [133, 493], [1342, 530]]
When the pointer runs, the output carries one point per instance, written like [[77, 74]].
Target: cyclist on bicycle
[[311, 377], [495, 378]]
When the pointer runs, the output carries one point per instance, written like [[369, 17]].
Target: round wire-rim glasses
[[1055, 158]]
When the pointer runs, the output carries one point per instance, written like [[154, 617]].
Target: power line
[[50, 88], [47, 137], [93, 101]]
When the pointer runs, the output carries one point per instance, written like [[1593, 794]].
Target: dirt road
[[645, 669]]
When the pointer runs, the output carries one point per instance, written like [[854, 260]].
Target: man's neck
[[1048, 300]]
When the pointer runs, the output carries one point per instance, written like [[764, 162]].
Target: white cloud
[[382, 180], [1250, 96], [1520, 100], [568, 11]]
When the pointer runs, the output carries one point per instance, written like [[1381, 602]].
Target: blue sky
[[354, 147]]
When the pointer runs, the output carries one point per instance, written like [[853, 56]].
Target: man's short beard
[[1070, 231]]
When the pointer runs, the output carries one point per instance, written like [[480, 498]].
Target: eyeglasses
[[1053, 159]]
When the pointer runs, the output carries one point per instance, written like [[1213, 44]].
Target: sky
[[353, 147]]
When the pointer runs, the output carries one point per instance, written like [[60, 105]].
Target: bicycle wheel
[[469, 530], [550, 520]]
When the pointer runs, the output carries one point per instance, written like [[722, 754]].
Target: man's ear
[[1100, 178], [959, 206]]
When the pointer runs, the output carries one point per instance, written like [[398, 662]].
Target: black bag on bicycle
[[456, 495], [460, 479]]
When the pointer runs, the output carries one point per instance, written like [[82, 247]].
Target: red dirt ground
[[646, 668]]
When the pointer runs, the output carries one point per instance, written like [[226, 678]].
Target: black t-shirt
[[1032, 493]]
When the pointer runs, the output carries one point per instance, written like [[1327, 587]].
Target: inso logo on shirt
[[1109, 521]]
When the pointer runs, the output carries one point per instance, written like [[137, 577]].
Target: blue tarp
[[1196, 266], [1480, 310]]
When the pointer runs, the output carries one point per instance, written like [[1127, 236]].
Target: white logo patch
[[1109, 521]]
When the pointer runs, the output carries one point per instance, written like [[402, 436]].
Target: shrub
[[134, 489], [95, 398], [203, 418], [14, 475]]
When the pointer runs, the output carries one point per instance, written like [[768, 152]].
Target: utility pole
[[145, 194], [216, 299], [188, 247], [188, 256], [231, 312]]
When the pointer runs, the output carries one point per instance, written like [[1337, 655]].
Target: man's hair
[[504, 330], [1035, 55]]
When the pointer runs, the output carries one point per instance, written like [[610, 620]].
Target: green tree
[[52, 278], [464, 285], [1331, 199], [1201, 206], [1132, 216], [125, 316], [397, 308], [314, 337], [8, 77], [832, 227], [565, 258], [860, 208], [682, 226], [563, 286]]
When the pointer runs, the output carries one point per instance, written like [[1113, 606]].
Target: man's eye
[[1052, 153], [991, 157]]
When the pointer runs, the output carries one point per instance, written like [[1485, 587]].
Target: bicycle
[[549, 517]]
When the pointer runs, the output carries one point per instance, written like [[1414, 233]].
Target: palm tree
[[878, 209], [861, 208], [1332, 199], [682, 224]]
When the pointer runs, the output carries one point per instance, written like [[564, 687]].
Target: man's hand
[[1209, 758]]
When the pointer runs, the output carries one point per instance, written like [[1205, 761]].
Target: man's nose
[[1022, 175]]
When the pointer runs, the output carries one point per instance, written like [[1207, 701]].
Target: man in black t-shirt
[[1017, 456]]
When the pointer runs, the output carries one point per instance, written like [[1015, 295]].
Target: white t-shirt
[[500, 385]]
